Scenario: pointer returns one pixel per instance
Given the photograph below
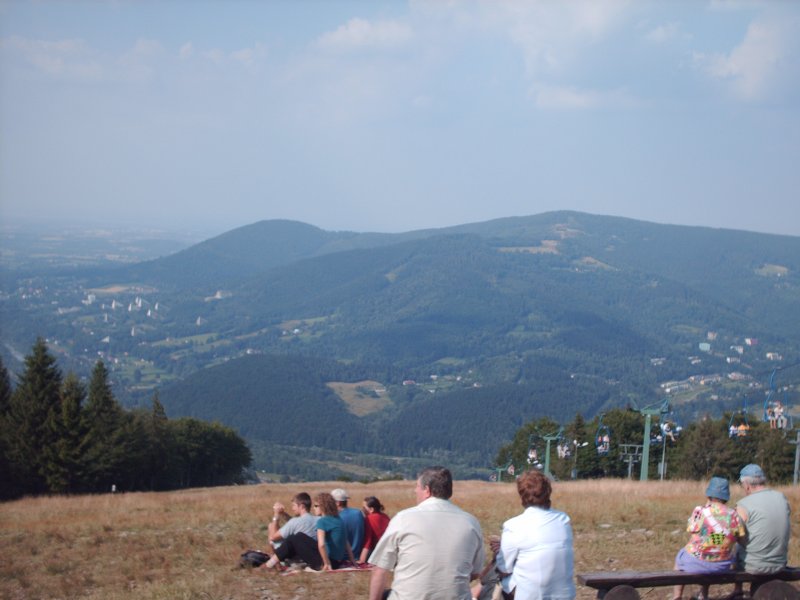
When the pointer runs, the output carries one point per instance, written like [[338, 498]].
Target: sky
[[393, 116]]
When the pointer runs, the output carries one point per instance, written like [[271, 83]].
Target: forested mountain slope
[[499, 321]]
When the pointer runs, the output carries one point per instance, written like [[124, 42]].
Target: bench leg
[[774, 590], [621, 592]]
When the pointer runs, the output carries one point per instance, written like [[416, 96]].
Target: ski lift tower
[[649, 412], [550, 438]]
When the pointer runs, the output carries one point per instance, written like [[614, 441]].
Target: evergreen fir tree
[[159, 447], [577, 434], [5, 407], [65, 462], [5, 390], [102, 419], [31, 408]]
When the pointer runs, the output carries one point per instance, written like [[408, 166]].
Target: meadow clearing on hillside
[[185, 544]]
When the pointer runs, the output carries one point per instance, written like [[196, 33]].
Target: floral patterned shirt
[[715, 529]]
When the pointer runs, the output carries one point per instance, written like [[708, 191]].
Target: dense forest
[[58, 437]]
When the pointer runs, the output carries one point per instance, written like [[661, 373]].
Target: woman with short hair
[[534, 554]]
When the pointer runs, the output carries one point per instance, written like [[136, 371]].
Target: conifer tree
[[5, 407], [159, 447], [65, 465], [102, 420], [5, 390], [581, 456], [32, 403]]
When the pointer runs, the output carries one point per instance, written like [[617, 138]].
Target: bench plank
[[610, 579]]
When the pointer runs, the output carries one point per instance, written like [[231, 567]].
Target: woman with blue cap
[[715, 530]]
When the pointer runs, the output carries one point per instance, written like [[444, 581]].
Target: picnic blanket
[[349, 569]]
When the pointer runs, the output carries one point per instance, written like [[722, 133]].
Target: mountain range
[[441, 340]]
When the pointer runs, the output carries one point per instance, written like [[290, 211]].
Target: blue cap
[[718, 488], [751, 470]]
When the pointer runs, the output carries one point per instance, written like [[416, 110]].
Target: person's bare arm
[[377, 583], [350, 552], [323, 551], [742, 513], [278, 517]]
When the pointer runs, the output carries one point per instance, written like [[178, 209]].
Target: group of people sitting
[[753, 537], [435, 549], [776, 417], [327, 538]]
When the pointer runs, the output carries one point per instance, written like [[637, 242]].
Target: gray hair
[[439, 480], [753, 480]]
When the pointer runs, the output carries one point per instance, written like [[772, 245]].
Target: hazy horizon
[[394, 116]]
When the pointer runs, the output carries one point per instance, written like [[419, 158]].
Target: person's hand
[[278, 509], [327, 567], [494, 543]]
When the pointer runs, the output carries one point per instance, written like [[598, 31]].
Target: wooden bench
[[621, 585]]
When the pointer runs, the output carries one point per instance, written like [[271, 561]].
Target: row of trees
[[702, 449], [57, 436]]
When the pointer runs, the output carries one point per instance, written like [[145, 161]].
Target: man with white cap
[[353, 520], [765, 512]]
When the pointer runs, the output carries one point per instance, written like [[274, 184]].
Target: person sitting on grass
[[332, 542], [282, 526], [715, 530], [326, 550], [376, 522], [352, 518]]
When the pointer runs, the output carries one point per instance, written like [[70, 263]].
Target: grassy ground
[[184, 545]]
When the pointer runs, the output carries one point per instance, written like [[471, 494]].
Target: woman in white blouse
[[535, 551]]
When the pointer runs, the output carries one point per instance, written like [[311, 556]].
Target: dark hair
[[374, 503], [304, 499], [328, 505], [534, 489], [439, 480]]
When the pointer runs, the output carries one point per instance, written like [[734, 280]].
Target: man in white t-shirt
[[434, 548]]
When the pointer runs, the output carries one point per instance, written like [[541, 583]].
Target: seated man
[[434, 548], [765, 513], [285, 541], [353, 520]]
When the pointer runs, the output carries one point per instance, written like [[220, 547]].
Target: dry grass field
[[185, 545]]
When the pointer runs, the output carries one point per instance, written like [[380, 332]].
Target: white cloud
[[186, 51], [215, 55], [571, 98], [662, 33], [359, 34], [70, 58], [137, 63], [552, 36], [249, 56], [596, 18], [755, 65]]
